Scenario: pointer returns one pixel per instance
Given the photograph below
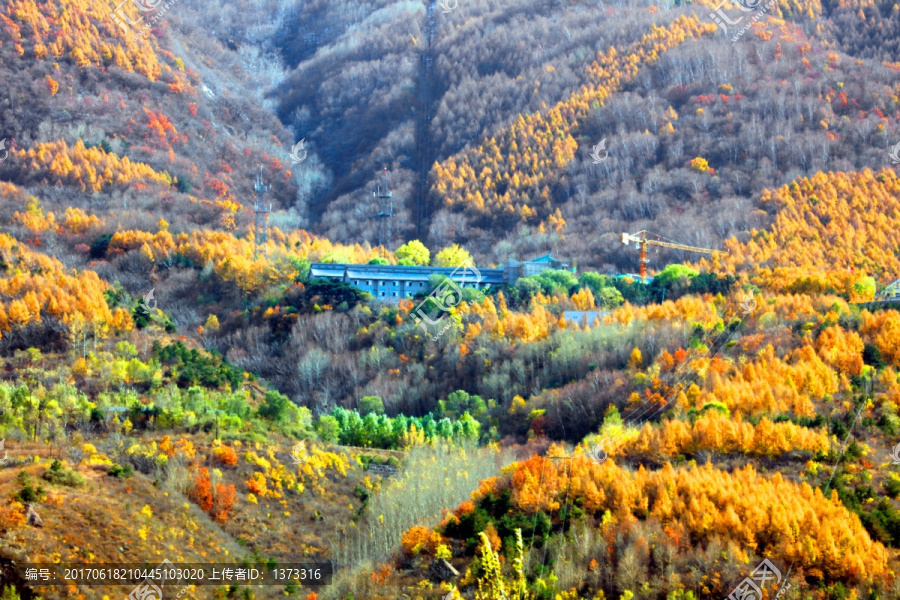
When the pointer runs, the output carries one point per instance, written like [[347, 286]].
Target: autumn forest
[[179, 382]]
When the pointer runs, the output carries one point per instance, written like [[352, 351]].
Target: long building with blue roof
[[390, 283]]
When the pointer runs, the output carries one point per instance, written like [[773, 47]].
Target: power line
[[687, 377], [385, 213], [849, 433], [261, 217], [536, 511]]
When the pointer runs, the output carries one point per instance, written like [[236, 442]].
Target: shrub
[[419, 539], [274, 406], [201, 491], [28, 493], [675, 273], [609, 297], [595, 281], [381, 575], [191, 367], [58, 474], [119, 471], [892, 486], [182, 185], [216, 502], [452, 256], [223, 502], [324, 291], [555, 281], [700, 164], [413, 252], [100, 245], [226, 455], [103, 144], [328, 429], [371, 404], [10, 593], [257, 484], [12, 515]]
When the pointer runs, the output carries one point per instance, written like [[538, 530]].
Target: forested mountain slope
[[693, 135], [174, 386]]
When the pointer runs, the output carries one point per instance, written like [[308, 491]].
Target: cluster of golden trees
[[232, 258], [769, 384], [82, 31], [35, 286], [509, 174], [809, 8], [715, 432], [792, 523], [688, 308], [829, 230], [498, 321], [492, 317], [92, 169], [841, 349], [34, 218]]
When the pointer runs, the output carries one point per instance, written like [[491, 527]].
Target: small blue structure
[[534, 266], [584, 318], [635, 276]]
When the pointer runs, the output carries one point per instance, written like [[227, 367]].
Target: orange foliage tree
[[218, 503], [418, 539], [791, 522], [226, 455], [40, 287]]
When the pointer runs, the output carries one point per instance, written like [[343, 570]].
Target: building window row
[[396, 283]]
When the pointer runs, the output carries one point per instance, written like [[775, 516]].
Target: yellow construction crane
[[640, 238]]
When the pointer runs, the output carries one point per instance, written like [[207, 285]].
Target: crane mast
[[640, 238]]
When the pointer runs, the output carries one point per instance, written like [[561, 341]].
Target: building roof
[[543, 259], [329, 268], [478, 275], [889, 292]]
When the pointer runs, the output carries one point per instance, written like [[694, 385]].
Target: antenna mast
[[385, 211], [261, 217]]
